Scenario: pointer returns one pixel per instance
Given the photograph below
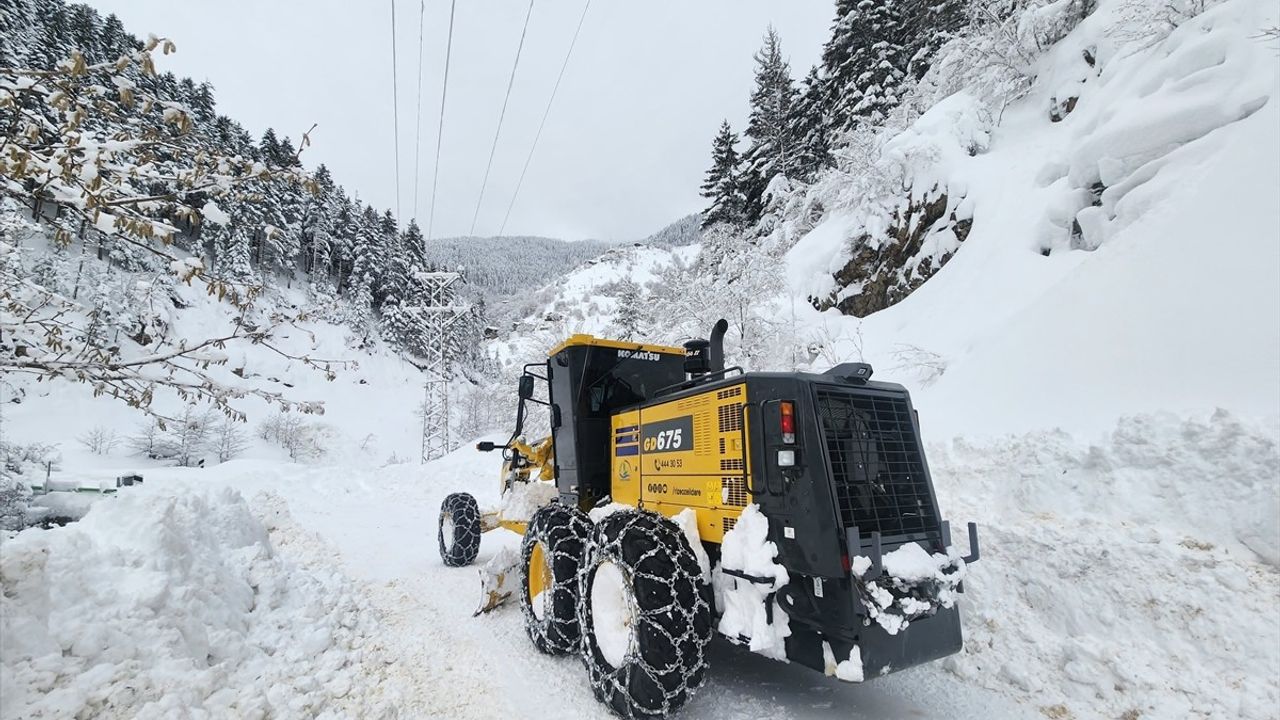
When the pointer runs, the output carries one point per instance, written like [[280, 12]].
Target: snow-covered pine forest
[[1054, 221]]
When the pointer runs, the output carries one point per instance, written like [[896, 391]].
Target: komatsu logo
[[639, 355]]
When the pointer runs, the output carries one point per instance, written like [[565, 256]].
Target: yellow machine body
[[686, 453]]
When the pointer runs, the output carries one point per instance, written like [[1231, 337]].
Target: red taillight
[[844, 563], [787, 421]]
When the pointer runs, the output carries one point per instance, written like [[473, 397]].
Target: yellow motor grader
[[676, 498]]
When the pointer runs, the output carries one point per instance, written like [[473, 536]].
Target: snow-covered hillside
[[590, 299], [1175, 304]]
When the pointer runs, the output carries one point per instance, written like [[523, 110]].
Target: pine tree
[[773, 149], [810, 127], [721, 185], [876, 48], [630, 311], [402, 307]]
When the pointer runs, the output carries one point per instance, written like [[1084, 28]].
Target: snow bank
[[161, 603], [1209, 480], [1123, 577], [746, 549]]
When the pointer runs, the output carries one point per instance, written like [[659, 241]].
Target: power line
[[417, 136], [395, 104], [545, 113], [492, 151], [444, 91]]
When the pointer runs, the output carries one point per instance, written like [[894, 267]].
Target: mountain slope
[[1177, 307]]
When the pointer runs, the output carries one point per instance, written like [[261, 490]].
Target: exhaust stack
[[717, 345]]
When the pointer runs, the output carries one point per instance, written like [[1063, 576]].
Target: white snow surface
[[174, 600], [215, 214]]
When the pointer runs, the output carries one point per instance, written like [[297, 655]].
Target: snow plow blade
[[498, 579]]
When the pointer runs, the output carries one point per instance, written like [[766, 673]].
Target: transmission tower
[[440, 313]]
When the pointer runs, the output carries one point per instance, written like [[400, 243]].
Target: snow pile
[[523, 499], [1114, 579], [745, 615], [915, 584], [1209, 480], [169, 602]]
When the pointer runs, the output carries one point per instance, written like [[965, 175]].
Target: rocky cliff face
[[883, 270]]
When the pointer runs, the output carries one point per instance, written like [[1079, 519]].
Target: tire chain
[[563, 532], [668, 661], [464, 511]]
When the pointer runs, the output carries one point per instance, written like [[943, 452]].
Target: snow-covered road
[[382, 524]]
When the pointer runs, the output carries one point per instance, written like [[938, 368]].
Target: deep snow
[[1099, 614]]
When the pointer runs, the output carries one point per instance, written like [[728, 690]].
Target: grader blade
[[498, 580]]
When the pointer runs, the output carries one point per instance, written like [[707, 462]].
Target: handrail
[[746, 456], [694, 382], [783, 481]]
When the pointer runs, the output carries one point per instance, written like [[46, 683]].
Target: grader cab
[[674, 498]]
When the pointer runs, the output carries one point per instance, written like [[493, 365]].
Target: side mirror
[[526, 387], [485, 446]]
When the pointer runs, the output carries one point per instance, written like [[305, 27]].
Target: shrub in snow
[[925, 365], [228, 439], [20, 466], [100, 440], [301, 439], [190, 434], [15, 498], [152, 441]]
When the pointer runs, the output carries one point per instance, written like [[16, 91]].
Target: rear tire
[[550, 556], [459, 531], [644, 615]]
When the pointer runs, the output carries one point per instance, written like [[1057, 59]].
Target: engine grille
[[877, 468]]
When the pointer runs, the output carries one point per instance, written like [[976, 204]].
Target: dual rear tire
[[633, 603]]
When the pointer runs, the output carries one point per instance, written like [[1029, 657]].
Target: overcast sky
[[624, 148]]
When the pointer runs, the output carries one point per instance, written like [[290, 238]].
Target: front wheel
[[550, 555], [644, 615], [459, 531]]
